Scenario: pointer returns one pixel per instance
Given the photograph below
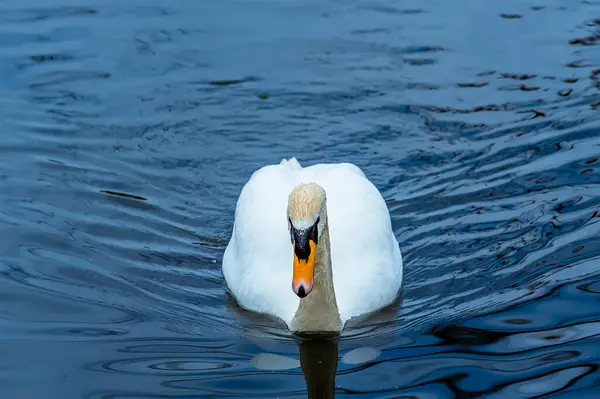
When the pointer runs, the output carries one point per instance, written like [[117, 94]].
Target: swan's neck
[[318, 311]]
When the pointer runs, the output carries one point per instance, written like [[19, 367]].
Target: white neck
[[318, 311]]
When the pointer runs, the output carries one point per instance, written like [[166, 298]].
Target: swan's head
[[306, 218]]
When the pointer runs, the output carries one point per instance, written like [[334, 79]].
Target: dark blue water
[[127, 129]]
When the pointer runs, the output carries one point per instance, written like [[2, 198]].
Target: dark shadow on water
[[319, 352], [319, 360]]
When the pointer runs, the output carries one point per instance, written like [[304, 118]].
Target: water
[[129, 127]]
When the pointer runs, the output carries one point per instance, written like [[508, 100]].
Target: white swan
[[312, 246]]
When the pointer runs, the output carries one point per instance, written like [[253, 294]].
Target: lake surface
[[128, 129]]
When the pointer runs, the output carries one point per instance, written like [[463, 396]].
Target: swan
[[312, 246]]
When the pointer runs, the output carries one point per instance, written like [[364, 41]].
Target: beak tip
[[302, 289]]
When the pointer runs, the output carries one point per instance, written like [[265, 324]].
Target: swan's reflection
[[319, 361], [319, 353]]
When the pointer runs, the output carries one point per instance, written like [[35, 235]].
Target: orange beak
[[304, 270]]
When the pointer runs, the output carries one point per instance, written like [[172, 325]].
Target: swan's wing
[[260, 215], [366, 258], [257, 263]]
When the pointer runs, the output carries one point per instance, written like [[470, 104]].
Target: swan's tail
[[291, 163]]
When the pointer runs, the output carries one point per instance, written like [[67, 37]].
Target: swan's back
[[366, 260]]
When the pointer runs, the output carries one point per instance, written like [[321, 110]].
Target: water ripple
[[130, 128]]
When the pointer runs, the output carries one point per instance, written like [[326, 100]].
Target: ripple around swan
[[129, 129], [505, 352]]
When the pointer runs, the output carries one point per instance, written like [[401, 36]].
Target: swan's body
[[358, 267]]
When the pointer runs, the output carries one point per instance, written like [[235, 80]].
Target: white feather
[[365, 255]]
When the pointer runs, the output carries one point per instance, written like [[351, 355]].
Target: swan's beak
[[305, 247]]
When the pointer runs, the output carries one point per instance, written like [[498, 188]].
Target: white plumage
[[365, 255]]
